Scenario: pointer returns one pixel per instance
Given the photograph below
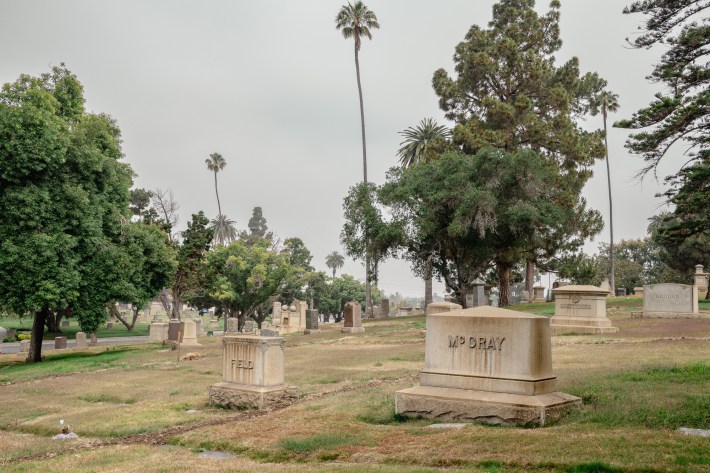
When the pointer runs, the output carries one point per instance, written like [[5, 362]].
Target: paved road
[[49, 344]]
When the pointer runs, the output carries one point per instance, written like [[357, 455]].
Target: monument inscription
[[483, 343]]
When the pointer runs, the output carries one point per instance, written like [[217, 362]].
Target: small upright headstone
[[189, 333], [200, 324], [525, 297], [385, 307], [475, 297], [3, 333], [701, 280], [620, 292], [60, 343], [24, 346], [65, 323], [11, 332], [276, 313], [232, 325], [173, 330], [109, 325], [638, 292], [311, 321], [352, 318], [265, 332], [249, 326], [80, 340], [252, 373]]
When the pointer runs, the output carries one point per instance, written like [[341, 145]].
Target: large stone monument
[[670, 301], [293, 317], [352, 318], [580, 309], [439, 307], [252, 373], [486, 365]]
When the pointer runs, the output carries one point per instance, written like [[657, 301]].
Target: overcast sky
[[271, 86]]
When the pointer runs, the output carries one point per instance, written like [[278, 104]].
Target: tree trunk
[[52, 321], [165, 301], [128, 325], [504, 284], [175, 313], [529, 277], [428, 284], [35, 354], [94, 340], [219, 207], [612, 269]]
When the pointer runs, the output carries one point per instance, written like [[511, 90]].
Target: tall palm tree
[[356, 21], [224, 230], [607, 102], [414, 150], [334, 261], [216, 163]]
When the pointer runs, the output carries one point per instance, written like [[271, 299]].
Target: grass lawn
[[136, 408]]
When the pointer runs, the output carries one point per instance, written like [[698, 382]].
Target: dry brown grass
[[346, 417]]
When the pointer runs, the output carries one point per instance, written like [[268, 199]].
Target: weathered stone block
[[581, 309]]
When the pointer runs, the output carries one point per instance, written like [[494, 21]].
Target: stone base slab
[[674, 315], [352, 330], [461, 405], [242, 396], [581, 329], [526, 387]]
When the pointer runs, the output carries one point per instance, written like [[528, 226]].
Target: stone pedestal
[[701, 281], [312, 322], [60, 343], [580, 309], [252, 374], [487, 365], [439, 307], [159, 332], [476, 296], [189, 333], [538, 294], [80, 340], [352, 318]]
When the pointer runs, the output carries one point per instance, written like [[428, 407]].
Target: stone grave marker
[[60, 343], [638, 291], [3, 333], [252, 373], [525, 297], [476, 296], [439, 307], [670, 301], [109, 325], [173, 330], [65, 323], [538, 294], [701, 281], [265, 332], [385, 307], [276, 313], [200, 324], [232, 325], [249, 326], [24, 346], [488, 365], [311, 322], [80, 340], [158, 332], [352, 318], [189, 332], [580, 309]]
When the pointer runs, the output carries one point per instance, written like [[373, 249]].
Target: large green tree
[[677, 119], [356, 21], [244, 276], [421, 145], [64, 201], [509, 93]]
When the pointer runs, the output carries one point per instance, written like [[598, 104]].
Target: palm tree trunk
[[368, 289], [611, 217], [219, 207]]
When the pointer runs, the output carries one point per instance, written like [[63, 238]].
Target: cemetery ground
[[137, 408]]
